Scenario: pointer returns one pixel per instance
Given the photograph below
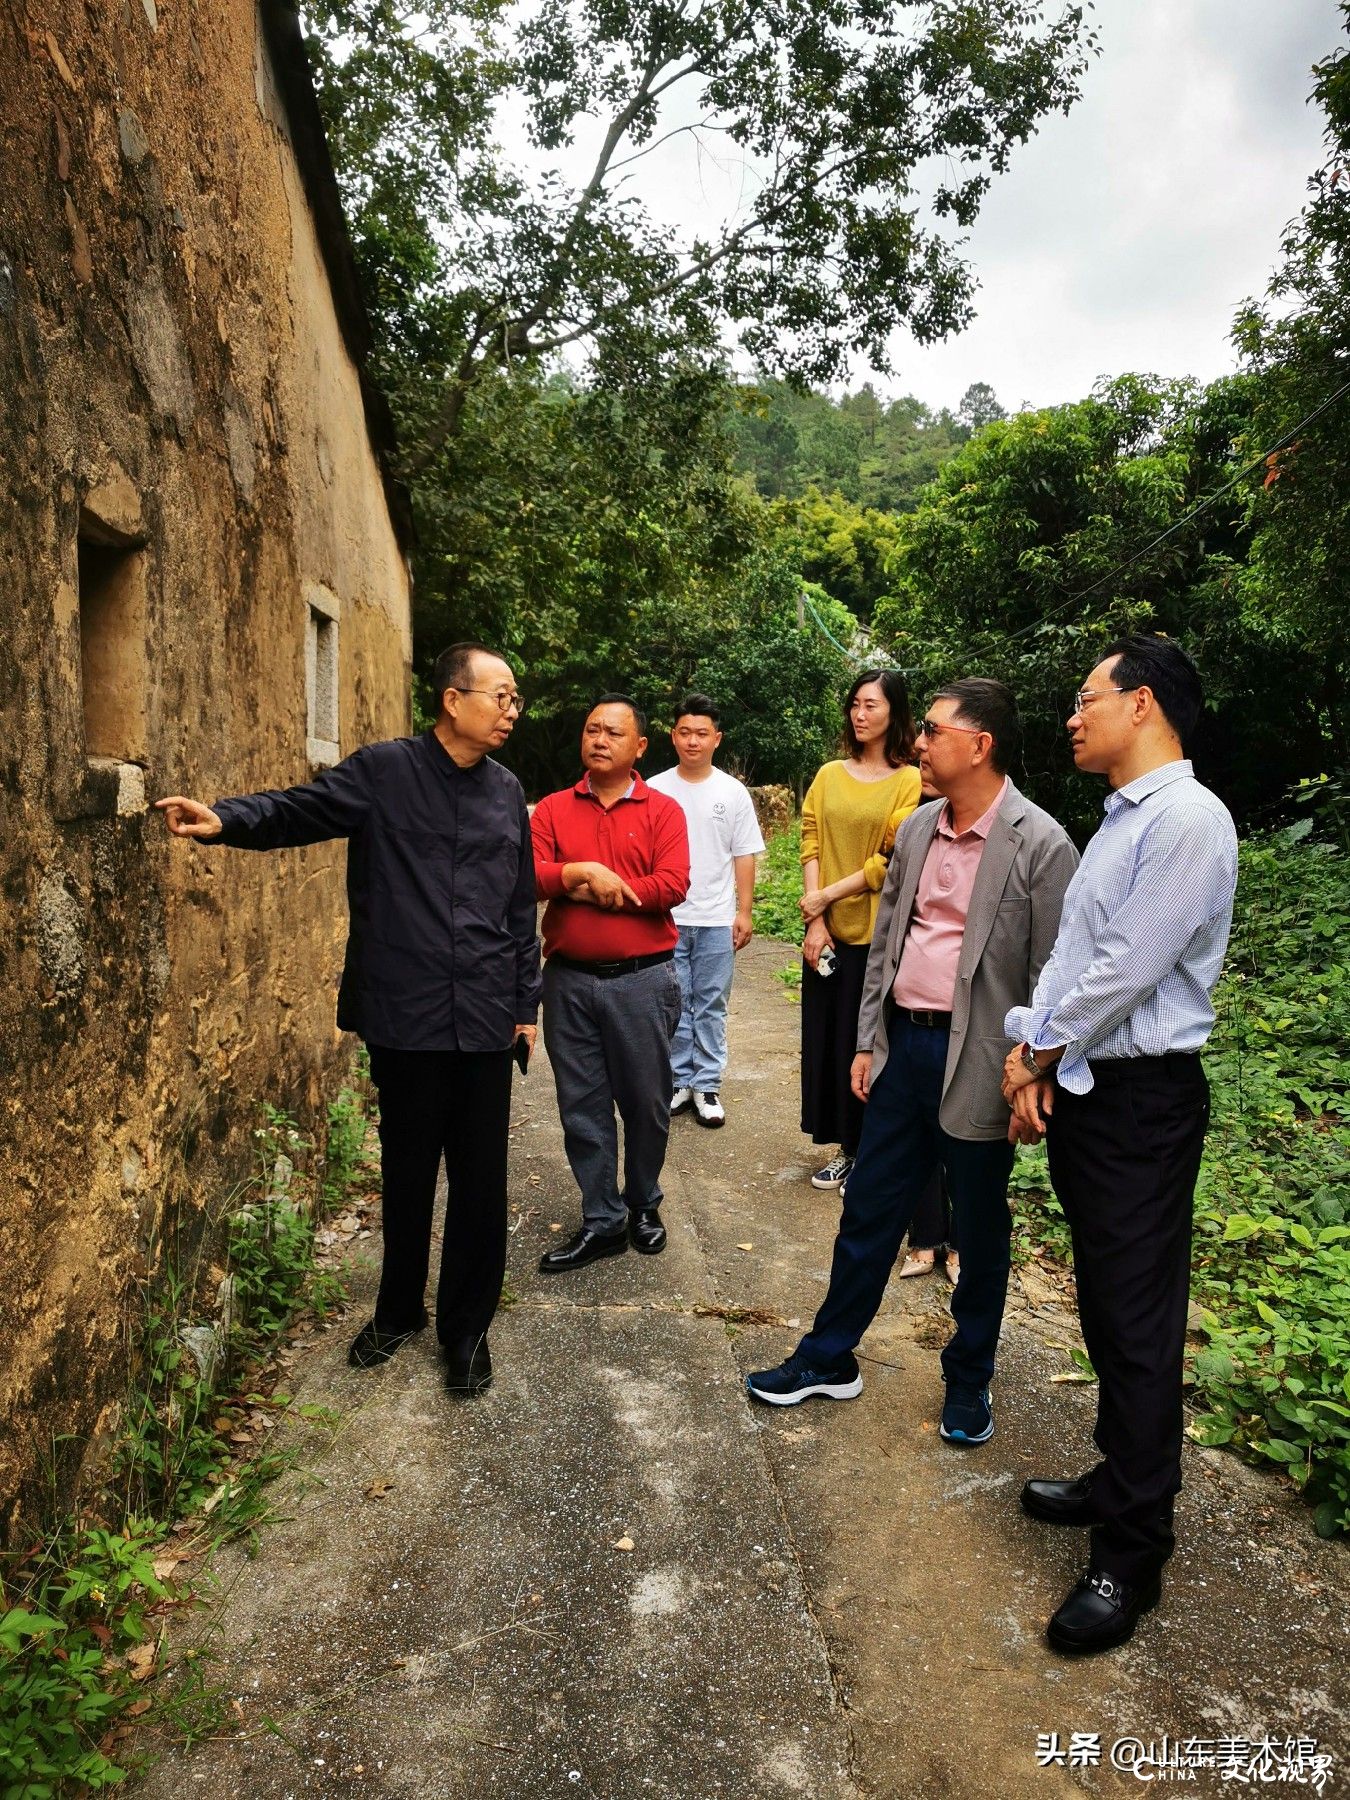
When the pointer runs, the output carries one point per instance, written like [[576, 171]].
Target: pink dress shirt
[[926, 978]]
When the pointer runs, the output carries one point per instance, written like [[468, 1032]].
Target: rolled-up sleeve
[[874, 869]]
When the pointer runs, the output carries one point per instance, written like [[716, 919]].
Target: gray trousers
[[609, 1045]]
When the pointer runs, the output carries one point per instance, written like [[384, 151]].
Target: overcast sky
[[1125, 235]]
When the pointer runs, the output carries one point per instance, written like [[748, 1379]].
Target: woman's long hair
[[900, 733]]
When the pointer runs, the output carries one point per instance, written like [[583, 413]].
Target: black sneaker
[[797, 1379], [371, 1346], [967, 1417], [834, 1174]]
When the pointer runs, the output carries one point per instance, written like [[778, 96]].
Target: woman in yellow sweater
[[849, 820]]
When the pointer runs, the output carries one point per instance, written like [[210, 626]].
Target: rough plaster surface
[[169, 354]]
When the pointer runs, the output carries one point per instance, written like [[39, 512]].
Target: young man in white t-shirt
[[714, 921]]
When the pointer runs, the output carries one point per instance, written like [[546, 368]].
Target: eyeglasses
[[930, 728], [505, 701], [1085, 694]]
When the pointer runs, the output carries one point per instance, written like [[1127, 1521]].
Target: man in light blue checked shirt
[[1106, 1067]]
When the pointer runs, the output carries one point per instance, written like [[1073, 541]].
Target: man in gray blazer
[[968, 915]]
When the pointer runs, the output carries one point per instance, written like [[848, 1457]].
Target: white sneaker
[[680, 1100], [834, 1174], [708, 1109]]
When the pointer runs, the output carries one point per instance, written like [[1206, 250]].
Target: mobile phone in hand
[[522, 1055]]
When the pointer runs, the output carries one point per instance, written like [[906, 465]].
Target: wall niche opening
[[112, 642], [322, 616]]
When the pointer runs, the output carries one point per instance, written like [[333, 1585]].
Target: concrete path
[[611, 1577]]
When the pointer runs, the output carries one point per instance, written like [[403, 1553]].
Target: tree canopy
[[840, 112], [597, 496]]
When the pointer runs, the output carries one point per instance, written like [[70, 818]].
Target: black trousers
[[454, 1105], [1124, 1160], [831, 1111]]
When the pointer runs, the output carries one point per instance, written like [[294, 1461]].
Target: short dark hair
[[454, 666], [621, 700], [697, 706], [1155, 662], [989, 706], [900, 733]]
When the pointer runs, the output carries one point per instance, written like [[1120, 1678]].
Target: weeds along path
[[611, 1577]]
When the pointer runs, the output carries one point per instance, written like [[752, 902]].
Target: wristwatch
[[1029, 1062]]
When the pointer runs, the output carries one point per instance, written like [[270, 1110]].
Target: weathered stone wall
[[184, 449]]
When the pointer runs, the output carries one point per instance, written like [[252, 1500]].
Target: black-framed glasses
[[1096, 694], [930, 728], [505, 701]]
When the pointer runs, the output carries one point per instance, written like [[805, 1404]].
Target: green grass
[[778, 887], [80, 1602]]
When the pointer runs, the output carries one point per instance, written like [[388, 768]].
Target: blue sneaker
[[797, 1379], [966, 1416]]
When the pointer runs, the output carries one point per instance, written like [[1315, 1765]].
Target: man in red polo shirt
[[611, 857]]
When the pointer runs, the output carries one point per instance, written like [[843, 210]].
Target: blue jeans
[[704, 962], [902, 1145]]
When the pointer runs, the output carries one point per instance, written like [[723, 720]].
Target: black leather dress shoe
[[1061, 1502], [586, 1247], [468, 1365], [646, 1230], [372, 1345], [1100, 1612]]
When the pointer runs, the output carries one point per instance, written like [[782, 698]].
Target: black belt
[[608, 970], [1114, 1070], [932, 1021]]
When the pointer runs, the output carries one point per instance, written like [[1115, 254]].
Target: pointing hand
[[189, 818]]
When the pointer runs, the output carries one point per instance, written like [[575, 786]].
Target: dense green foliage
[[62, 1678], [1298, 343], [872, 453], [1023, 558], [1272, 1263], [591, 524], [602, 540], [778, 887], [474, 263], [76, 1636]]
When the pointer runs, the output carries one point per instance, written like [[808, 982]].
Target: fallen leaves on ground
[[378, 1489]]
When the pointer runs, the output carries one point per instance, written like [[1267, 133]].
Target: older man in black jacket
[[441, 980]]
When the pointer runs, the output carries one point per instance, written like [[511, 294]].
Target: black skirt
[[830, 1112]]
